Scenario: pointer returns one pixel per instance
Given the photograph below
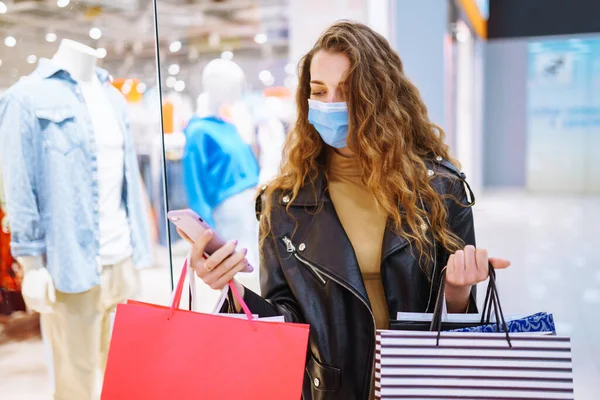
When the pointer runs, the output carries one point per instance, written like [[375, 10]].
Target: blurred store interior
[[515, 87]]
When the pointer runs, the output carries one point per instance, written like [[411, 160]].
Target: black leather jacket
[[310, 274]]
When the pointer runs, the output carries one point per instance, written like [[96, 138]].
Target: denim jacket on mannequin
[[49, 160]]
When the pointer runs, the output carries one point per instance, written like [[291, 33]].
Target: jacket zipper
[[292, 249]]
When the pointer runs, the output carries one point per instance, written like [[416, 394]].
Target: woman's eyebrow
[[317, 83]]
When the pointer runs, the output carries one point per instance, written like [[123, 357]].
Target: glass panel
[[81, 155], [227, 100]]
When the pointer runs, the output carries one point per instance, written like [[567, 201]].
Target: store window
[[81, 205], [227, 99]]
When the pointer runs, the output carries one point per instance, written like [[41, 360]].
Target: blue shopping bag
[[536, 323]]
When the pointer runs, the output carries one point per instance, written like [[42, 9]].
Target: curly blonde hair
[[390, 134]]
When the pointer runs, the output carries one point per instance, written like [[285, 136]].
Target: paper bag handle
[[492, 301], [179, 292]]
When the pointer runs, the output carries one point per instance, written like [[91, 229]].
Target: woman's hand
[[185, 237], [220, 268], [466, 268]]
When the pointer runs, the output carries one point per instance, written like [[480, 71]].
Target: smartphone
[[194, 226]]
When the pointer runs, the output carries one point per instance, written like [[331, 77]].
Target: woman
[[367, 211]]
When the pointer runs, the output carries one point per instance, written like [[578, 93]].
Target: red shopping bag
[[159, 352]]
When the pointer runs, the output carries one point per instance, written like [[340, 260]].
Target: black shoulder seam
[[446, 164], [259, 202]]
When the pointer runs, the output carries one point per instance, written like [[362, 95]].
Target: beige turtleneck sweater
[[364, 223]]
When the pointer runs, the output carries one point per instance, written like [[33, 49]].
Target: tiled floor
[[553, 243]]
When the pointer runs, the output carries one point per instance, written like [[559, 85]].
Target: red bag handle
[[179, 292]]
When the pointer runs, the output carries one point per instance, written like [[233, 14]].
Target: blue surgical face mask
[[330, 120]]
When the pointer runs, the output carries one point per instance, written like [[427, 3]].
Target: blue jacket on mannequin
[[217, 164]]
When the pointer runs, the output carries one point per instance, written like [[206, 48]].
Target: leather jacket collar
[[327, 229]]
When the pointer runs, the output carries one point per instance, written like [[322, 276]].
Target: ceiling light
[[175, 46], [179, 86], [95, 33], [141, 88], [101, 52], [31, 59], [51, 37], [126, 88], [290, 69], [174, 69], [63, 3], [3, 8], [260, 38], [227, 55], [269, 82], [10, 41], [265, 75], [171, 81]]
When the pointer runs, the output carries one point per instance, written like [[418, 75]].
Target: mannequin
[[202, 106], [223, 83], [220, 169], [76, 58], [80, 233], [80, 61]]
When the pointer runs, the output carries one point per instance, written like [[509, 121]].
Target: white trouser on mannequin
[[78, 331], [49, 359], [235, 219]]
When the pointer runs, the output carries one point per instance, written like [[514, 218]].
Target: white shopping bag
[[194, 299], [456, 318]]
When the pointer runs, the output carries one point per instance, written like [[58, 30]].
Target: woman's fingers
[[470, 266], [220, 255], [471, 273], [499, 263], [228, 276], [200, 246], [184, 236], [456, 274], [459, 261], [451, 264], [481, 257], [225, 267]]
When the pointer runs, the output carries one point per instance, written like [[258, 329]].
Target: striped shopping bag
[[473, 365], [413, 365]]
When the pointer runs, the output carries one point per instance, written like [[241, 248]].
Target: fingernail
[[245, 251], [235, 242], [208, 232]]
